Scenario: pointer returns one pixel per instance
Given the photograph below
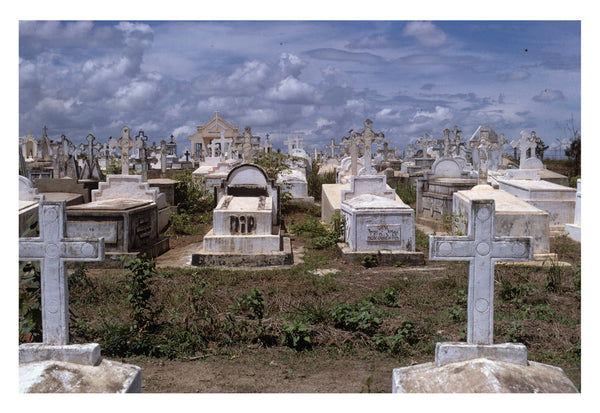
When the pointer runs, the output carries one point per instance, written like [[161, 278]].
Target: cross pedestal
[[53, 250], [481, 249]]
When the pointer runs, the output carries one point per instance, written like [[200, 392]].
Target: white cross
[[332, 147], [52, 249], [90, 146], [526, 144], [482, 249], [290, 144], [125, 144]]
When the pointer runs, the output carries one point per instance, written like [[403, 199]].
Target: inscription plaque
[[93, 229], [383, 233]]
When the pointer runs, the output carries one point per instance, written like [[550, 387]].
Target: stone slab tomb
[[376, 222], [125, 211], [42, 365], [557, 200], [246, 227], [574, 229], [514, 217], [479, 364]]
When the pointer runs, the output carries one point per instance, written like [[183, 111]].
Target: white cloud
[[426, 33], [291, 90], [252, 75]]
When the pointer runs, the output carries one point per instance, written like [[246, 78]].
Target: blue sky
[[317, 79]]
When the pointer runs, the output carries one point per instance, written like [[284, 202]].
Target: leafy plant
[[369, 261], [191, 195], [138, 279], [297, 336], [30, 323], [400, 342], [253, 304], [361, 316]]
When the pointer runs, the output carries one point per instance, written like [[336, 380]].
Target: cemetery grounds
[[320, 326]]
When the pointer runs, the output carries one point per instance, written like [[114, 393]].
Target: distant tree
[[540, 149], [573, 151]]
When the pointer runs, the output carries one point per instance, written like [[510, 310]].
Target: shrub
[[30, 309], [253, 304], [190, 194], [369, 261], [297, 336], [361, 316]]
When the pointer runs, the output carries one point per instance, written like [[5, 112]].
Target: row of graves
[[500, 223], [127, 211]]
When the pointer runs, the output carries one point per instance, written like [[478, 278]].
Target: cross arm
[[444, 248], [513, 249]]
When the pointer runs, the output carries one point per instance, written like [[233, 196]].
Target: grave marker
[[53, 249], [482, 249]]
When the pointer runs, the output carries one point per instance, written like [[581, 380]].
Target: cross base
[[451, 352], [88, 354]]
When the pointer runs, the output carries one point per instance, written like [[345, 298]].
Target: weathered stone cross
[[332, 147], [125, 143], [290, 142], [142, 138], [53, 249], [526, 144], [482, 249], [89, 147], [369, 137], [483, 146]]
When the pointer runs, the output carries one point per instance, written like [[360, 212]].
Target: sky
[[312, 78]]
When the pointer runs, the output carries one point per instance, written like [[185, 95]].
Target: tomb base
[[51, 376], [481, 376], [88, 354], [384, 257], [452, 352], [248, 259], [573, 231]]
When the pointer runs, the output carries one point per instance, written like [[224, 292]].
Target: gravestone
[[53, 250], [126, 145], [246, 228], [526, 146], [497, 367], [376, 222], [29, 199], [436, 188]]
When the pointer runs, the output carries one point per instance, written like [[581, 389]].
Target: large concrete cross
[[53, 249], [483, 146], [482, 249], [369, 137], [142, 138]]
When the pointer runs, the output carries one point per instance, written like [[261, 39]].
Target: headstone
[[483, 365], [55, 366], [526, 146], [126, 145], [52, 248], [332, 147], [143, 156]]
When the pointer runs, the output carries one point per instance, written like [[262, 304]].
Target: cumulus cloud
[[251, 75], [292, 90], [426, 33], [440, 113], [290, 65], [549, 95]]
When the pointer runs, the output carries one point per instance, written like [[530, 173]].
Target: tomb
[[514, 217], [246, 223], [55, 366], [557, 200], [28, 205], [574, 229], [63, 189], [376, 222], [479, 365], [435, 189], [126, 212]]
